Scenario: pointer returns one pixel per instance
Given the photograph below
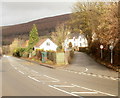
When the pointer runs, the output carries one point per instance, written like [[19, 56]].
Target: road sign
[[111, 47], [101, 46]]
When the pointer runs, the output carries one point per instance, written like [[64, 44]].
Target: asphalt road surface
[[23, 78]]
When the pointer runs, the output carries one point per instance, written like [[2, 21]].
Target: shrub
[[83, 49], [59, 48], [33, 53], [38, 54], [25, 54], [18, 52]]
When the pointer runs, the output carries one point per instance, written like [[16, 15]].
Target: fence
[[59, 58]]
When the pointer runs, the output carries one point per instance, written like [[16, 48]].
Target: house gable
[[77, 40], [46, 44]]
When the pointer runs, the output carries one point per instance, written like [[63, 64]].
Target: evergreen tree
[[33, 38]]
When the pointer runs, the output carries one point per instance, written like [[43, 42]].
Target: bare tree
[[60, 34]]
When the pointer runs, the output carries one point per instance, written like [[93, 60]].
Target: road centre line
[[62, 90], [94, 90]]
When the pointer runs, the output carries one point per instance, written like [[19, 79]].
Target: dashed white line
[[21, 72], [84, 73], [75, 72], [99, 76], [34, 71], [106, 77], [15, 68], [52, 78], [88, 74], [33, 78], [94, 75]]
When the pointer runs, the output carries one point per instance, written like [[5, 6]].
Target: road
[[23, 78], [83, 62]]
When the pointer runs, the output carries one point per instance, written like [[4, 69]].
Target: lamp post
[[101, 47], [111, 48]]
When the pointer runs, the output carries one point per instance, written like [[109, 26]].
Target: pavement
[[23, 78]]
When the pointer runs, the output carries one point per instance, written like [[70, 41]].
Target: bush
[[39, 54], [83, 49], [33, 53], [18, 52], [25, 54], [59, 48], [95, 51]]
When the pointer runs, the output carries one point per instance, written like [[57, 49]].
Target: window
[[48, 44], [80, 39], [80, 44]]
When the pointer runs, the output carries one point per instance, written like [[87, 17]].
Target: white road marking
[[34, 71], [88, 74], [84, 92], [84, 73], [94, 75], [112, 78], [106, 77], [95, 90], [100, 76], [86, 69], [52, 78], [62, 90], [75, 72], [15, 68], [33, 78], [64, 86], [21, 72]]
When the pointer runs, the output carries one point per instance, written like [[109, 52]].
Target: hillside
[[45, 26]]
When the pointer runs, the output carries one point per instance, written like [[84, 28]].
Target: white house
[[76, 40], [46, 44]]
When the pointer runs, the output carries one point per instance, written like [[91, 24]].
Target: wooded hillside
[[45, 26]]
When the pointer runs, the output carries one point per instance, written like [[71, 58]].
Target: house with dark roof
[[46, 44], [75, 40]]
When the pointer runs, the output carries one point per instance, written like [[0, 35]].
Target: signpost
[[101, 47], [111, 48]]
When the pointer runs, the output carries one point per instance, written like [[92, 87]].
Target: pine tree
[[33, 38]]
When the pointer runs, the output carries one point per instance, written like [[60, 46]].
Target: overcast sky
[[21, 12]]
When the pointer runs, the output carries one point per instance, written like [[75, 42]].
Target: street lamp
[[111, 48], [101, 47]]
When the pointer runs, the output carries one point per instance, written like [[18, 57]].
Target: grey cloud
[[15, 13]]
